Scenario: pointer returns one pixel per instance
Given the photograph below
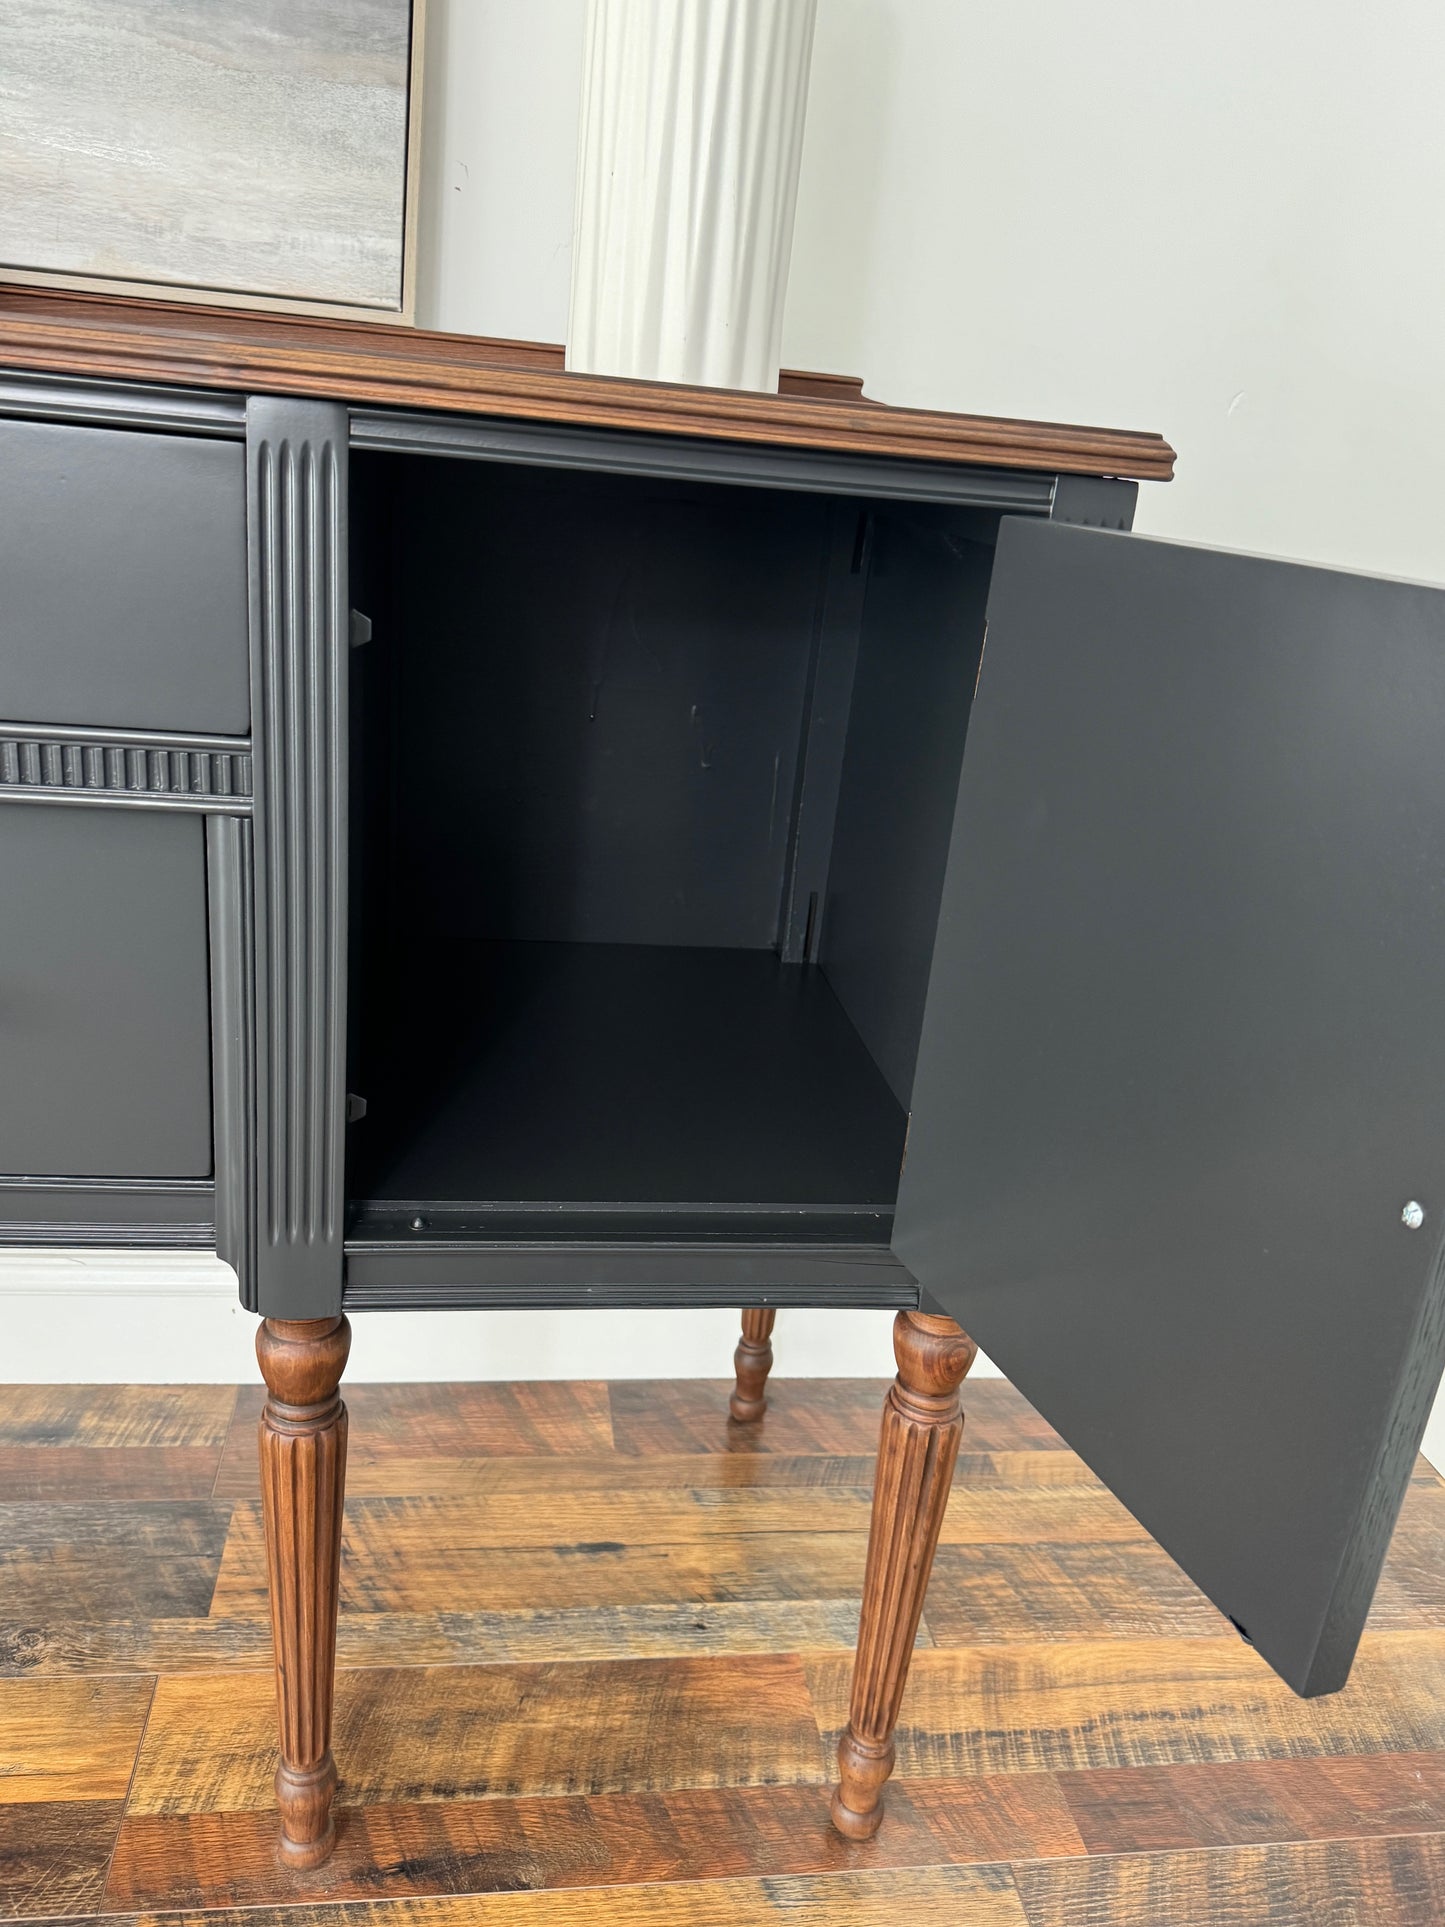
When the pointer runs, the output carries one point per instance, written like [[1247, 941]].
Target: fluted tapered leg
[[922, 1425], [303, 1484], [752, 1361]]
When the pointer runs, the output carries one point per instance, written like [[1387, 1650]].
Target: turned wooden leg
[[753, 1360], [303, 1483], [922, 1425]]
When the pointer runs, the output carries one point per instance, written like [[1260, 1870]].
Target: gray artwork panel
[[258, 146]]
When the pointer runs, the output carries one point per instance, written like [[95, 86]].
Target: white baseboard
[[173, 1318], [169, 1318]]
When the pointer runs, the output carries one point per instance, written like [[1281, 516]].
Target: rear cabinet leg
[[752, 1361], [922, 1425], [303, 1482]]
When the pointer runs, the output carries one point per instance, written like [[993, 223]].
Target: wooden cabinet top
[[46, 330]]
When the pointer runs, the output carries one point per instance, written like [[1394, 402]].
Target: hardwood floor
[[594, 1655]]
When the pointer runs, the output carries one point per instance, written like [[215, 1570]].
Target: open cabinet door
[[1181, 1089]]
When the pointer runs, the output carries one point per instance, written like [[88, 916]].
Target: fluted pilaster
[[297, 455]]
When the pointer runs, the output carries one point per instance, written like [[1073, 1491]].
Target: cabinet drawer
[[122, 579], [104, 1002]]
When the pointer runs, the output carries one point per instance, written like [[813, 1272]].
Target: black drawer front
[[104, 999], [122, 580]]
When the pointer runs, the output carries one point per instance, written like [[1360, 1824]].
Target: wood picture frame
[[176, 66]]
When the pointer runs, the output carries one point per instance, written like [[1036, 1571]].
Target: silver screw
[[1413, 1216]]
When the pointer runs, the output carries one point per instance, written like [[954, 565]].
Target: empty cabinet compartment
[[652, 786]]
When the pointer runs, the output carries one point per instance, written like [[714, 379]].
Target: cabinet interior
[[652, 784]]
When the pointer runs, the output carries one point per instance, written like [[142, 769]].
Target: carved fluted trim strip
[[297, 456], [51, 768]]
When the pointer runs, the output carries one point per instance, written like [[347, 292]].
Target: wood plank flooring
[[594, 1656]]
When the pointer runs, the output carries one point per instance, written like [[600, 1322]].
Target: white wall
[[1214, 218], [173, 1318], [499, 160]]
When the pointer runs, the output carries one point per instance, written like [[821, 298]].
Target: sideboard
[[472, 835]]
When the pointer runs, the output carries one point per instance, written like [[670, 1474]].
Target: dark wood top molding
[[52, 331]]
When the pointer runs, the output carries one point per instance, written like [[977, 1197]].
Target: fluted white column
[[687, 181]]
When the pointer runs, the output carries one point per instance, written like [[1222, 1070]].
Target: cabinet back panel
[[122, 579], [104, 1020], [598, 694], [918, 657]]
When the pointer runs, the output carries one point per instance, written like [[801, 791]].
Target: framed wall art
[[257, 153]]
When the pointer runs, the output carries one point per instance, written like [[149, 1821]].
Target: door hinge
[[355, 1107], [360, 629]]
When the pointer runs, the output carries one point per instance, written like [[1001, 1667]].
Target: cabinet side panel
[[296, 456], [922, 634]]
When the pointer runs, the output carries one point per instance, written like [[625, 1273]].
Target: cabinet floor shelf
[[640, 1078]]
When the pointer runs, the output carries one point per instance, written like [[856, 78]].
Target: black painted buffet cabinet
[[477, 836]]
